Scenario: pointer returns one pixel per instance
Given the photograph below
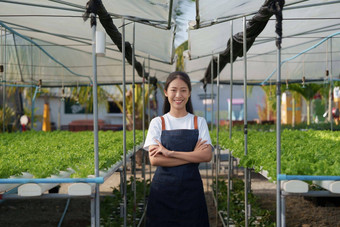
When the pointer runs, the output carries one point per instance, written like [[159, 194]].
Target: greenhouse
[[82, 80]]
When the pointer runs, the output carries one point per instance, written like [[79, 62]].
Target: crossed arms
[[160, 156]]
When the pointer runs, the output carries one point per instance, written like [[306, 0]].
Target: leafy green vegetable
[[302, 152], [45, 153]]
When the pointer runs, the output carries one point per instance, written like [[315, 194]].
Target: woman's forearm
[[193, 157], [161, 160]]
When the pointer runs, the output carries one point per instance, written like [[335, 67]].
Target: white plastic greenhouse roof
[[306, 25], [53, 43]]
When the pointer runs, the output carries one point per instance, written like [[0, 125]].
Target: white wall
[[59, 117]]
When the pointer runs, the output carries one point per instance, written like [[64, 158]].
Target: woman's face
[[178, 94]]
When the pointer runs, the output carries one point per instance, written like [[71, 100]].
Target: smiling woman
[[177, 142]]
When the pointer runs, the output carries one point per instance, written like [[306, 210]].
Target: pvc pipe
[[32, 189], [306, 177], [100, 43], [332, 186], [245, 120], [294, 186], [312, 194], [7, 187], [64, 213], [97, 180], [43, 196], [81, 189], [302, 52]]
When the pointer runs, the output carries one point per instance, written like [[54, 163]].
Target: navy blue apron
[[176, 195]]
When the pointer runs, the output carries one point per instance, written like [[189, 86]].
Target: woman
[[177, 142]]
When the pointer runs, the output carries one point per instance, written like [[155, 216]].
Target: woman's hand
[[201, 146], [160, 149]]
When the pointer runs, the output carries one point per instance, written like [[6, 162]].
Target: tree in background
[[180, 59], [307, 91], [268, 111]]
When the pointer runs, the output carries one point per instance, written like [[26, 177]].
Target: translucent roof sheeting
[[211, 11], [53, 43], [305, 52], [60, 42]]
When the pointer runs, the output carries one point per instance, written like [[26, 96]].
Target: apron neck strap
[[195, 122], [163, 123]]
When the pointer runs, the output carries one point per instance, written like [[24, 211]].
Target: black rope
[[276, 7], [254, 27], [97, 7]]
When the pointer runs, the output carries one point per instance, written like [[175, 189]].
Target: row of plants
[[45, 153], [301, 126], [308, 152], [258, 216], [111, 213]]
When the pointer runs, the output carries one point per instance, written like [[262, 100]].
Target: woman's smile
[[178, 95]]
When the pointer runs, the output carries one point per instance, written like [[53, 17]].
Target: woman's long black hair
[[172, 76]]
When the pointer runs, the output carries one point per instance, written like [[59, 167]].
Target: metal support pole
[[283, 213], [230, 118], [4, 84], [245, 120], [134, 126], [143, 123], [278, 137], [149, 111], [95, 122], [124, 123], [32, 106], [212, 111], [205, 116], [331, 86], [212, 93], [217, 133]]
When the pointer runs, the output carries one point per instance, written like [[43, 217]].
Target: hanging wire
[[303, 72]]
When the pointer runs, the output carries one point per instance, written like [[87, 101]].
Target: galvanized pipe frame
[[246, 207], [95, 203], [230, 120], [134, 125], [4, 60]]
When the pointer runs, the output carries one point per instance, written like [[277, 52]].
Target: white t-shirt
[[172, 123]]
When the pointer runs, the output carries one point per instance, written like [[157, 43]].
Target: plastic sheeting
[[304, 27], [54, 43], [57, 27]]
